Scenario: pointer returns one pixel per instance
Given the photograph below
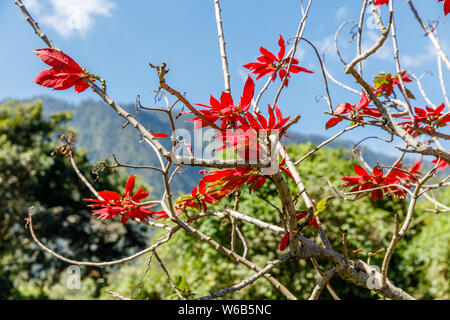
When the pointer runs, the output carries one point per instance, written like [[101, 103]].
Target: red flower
[[442, 164], [284, 242], [446, 6], [354, 112], [225, 109], [381, 2], [231, 180], [244, 139], [400, 176], [431, 115], [260, 123], [312, 222], [269, 64], [385, 83], [159, 135], [127, 206], [198, 198], [283, 168], [429, 118], [64, 74], [364, 181], [418, 164]]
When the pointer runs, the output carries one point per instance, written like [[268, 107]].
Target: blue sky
[[117, 39]]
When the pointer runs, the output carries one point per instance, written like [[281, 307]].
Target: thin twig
[[248, 281], [300, 30], [161, 264], [322, 284], [430, 35], [116, 295], [223, 52]]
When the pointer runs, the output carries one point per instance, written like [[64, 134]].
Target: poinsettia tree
[[248, 153]]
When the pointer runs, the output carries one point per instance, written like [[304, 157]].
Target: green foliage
[[369, 226], [428, 254], [30, 176]]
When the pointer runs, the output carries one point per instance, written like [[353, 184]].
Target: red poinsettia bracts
[[231, 180], [381, 2], [386, 82], [311, 222], [225, 110], [127, 206], [283, 168], [261, 123], [244, 139], [271, 65], [353, 112], [65, 72], [430, 115], [446, 6], [442, 164], [199, 198], [365, 181], [428, 119], [415, 169], [159, 135], [398, 175]]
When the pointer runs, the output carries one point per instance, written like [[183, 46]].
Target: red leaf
[[332, 122], [64, 74], [109, 195], [130, 185], [58, 60], [247, 95], [159, 135], [284, 242], [360, 171], [282, 48]]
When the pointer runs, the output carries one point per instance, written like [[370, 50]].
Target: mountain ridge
[[100, 132]]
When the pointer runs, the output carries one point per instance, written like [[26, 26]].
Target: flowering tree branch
[[259, 156]]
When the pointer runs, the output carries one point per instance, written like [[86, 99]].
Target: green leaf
[[321, 206]]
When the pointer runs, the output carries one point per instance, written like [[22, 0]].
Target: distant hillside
[[99, 130]]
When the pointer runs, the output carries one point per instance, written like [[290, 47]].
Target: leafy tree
[[31, 176]]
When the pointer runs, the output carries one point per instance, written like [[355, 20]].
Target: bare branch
[[430, 35], [248, 281], [322, 284], [223, 52]]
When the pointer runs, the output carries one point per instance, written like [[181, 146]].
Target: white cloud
[[243, 74], [342, 13], [386, 52], [300, 53], [325, 44], [70, 17], [418, 60], [32, 6]]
